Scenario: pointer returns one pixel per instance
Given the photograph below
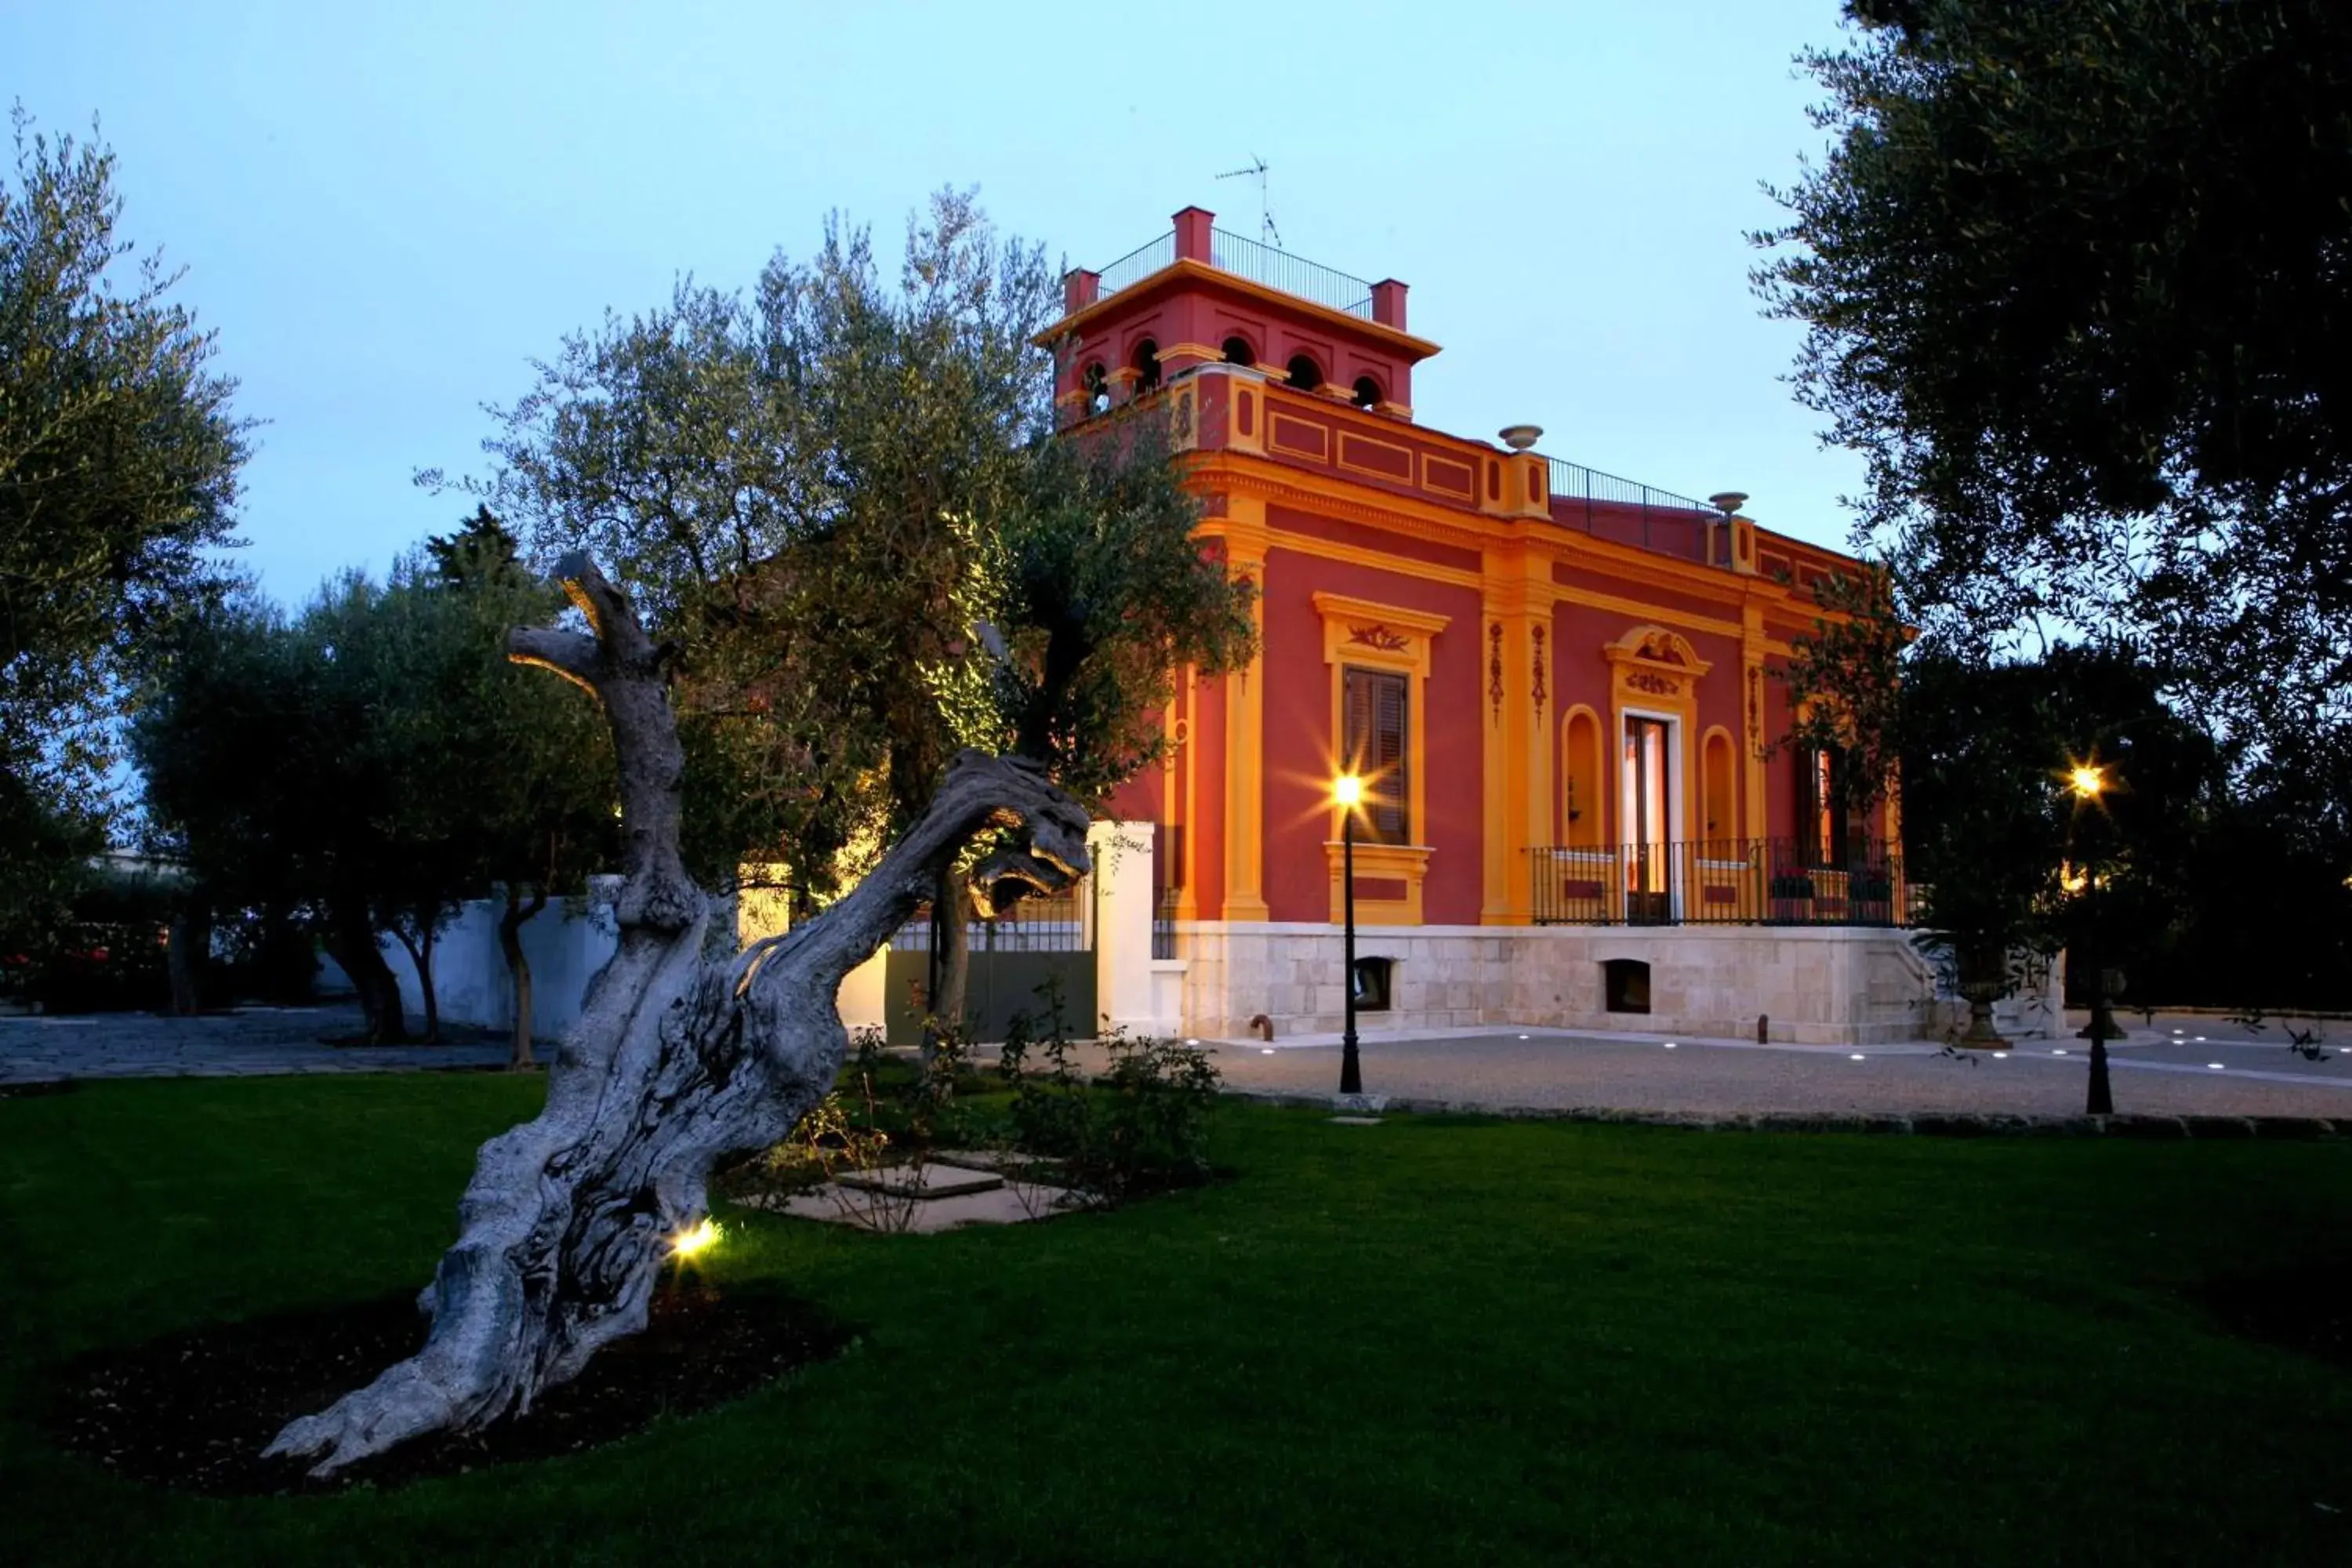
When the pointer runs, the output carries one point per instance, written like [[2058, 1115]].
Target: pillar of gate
[[1124, 899]]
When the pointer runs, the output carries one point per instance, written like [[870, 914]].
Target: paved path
[[2154, 1072], [2177, 1066], [249, 1042]]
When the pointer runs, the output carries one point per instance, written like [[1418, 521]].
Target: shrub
[[1142, 1126]]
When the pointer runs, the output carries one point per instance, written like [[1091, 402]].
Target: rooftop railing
[[1246, 258], [1608, 507], [1262, 263], [1137, 265]]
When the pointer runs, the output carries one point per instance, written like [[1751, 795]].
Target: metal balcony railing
[[1246, 258], [1137, 265], [1726, 881], [1262, 263], [1608, 507]]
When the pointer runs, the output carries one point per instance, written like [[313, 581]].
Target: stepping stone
[[927, 1182], [1004, 1161], [869, 1210]]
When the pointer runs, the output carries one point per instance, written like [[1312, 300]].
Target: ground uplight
[[699, 1236]]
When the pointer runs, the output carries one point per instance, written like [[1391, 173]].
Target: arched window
[[1305, 373], [1582, 812], [1721, 801], [1096, 383], [1146, 366], [1367, 393], [1237, 351]]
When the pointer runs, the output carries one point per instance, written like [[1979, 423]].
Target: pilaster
[[1244, 530], [1515, 702], [1751, 711]]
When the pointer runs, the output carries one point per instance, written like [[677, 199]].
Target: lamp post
[[2088, 782], [1348, 793]]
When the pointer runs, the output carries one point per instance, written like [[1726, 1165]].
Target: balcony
[[1730, 881]]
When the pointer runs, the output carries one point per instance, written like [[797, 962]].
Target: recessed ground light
[[2057, 1053], [2201, 1039], [1265, 1050], [1192, 1042], [2000, 1056], [2217, 1066], [1523, 1037], [1859, 1056], [1670, 1045], [2179, 1031]]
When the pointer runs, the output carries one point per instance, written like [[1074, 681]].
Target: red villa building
[[1559, 686]]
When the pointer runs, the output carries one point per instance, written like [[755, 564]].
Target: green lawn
[[1434, 1341]]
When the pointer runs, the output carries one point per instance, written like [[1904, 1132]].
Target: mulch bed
[[194, 1410]]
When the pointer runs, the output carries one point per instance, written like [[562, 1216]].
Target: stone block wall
[[1816, 985]]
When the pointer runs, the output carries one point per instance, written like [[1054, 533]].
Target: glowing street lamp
[[2087, 782], [1348, 793]]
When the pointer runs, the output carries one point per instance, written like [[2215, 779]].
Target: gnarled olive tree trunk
[[675, 1066]]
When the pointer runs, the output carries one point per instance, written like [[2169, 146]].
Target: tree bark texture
[[675, 1066], [187, 956], [519, 913], [950, 970], [353, 942], [420, 958]]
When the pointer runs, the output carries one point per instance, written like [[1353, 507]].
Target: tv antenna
[[1255, 170]]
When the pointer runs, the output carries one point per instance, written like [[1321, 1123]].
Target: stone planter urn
[[1983, 981]]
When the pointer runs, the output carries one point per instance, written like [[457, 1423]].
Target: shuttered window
[[1375, 747]]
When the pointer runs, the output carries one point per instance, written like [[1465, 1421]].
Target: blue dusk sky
[[387, 211]]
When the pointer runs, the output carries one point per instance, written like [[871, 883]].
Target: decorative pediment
[[1359, 631], [1663, 651], [1654, 664]]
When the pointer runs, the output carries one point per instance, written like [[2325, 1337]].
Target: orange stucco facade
[[1548, 623]]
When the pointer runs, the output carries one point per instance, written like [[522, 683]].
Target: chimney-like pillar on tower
[[1080, 289], [1193, 234], [1388, 303]]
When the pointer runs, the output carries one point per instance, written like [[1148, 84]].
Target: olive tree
[[928, 625]]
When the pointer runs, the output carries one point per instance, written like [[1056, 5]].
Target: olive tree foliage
[[119, 457], [515, 779], [365, 767], [2077, 281], [829, 499], [1980, 753]]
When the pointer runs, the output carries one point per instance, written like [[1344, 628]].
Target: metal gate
[[1044, 939]]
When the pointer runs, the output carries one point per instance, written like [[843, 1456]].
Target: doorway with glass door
[[1646, 813]]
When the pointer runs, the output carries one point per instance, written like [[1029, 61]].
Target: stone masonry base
[[1816, 985]]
